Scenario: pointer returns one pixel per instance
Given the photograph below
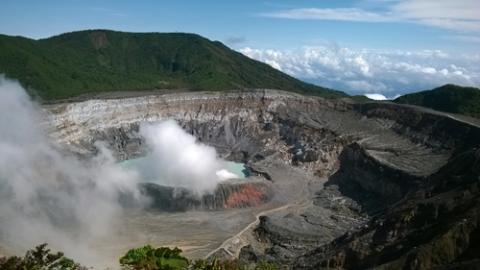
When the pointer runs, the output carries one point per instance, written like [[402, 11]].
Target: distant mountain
[[447, 98], [95, 61]]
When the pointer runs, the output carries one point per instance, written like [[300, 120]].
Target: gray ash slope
[[358, 186]]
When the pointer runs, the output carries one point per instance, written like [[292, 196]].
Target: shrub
[[40, 258], [264, 265], [230, 265], [149, 258], [216, 265]]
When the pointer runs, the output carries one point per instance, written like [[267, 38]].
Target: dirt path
[[233, 244], [284, 188], [235, 240]]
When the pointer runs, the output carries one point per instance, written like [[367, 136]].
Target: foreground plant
[[40, 258], [143, 258], [163, 258], [149, 258], [231, 265], [216, 265]]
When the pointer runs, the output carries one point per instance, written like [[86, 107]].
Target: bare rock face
[[238, 124], [226, 195], [356, 186], [435, 226]]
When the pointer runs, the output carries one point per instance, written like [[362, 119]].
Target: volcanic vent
[[178, 173]]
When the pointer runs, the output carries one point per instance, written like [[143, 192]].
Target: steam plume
[[50, 196], [178, 160]]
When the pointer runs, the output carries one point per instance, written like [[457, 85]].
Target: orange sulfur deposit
[[247, 195]]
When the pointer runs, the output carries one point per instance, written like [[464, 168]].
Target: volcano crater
[[322, 173]]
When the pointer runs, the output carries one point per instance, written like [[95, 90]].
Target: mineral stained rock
[[226, 195]]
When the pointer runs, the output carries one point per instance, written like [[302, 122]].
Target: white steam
[[50, 196], [178, 160]]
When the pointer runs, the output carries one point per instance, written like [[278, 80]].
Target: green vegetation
[[447, 98], [95, 61], [230, 265], [361, 99], [163, 258], [39, 258], [143, 258], [149, 258]]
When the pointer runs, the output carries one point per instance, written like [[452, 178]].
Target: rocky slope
[[433, 227], [357, 184]]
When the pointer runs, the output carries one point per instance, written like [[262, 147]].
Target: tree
[[40, 258]]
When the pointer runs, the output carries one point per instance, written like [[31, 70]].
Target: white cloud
[[337, 14], [367, 71], [460, 15], [464, 38], [376, 96], [439, 9], [430, 70]]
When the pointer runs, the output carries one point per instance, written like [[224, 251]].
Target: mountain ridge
[[447, 98], [93, 61]]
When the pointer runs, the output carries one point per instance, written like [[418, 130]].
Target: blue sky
[[376, 46]]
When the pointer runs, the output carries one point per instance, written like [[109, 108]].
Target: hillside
[[447, 98], [95, 61]]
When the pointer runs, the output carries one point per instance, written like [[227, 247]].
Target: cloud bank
[[368, 71], [376, 96]]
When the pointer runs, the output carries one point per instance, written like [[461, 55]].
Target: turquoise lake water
[[145, 167], [237, 168]]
